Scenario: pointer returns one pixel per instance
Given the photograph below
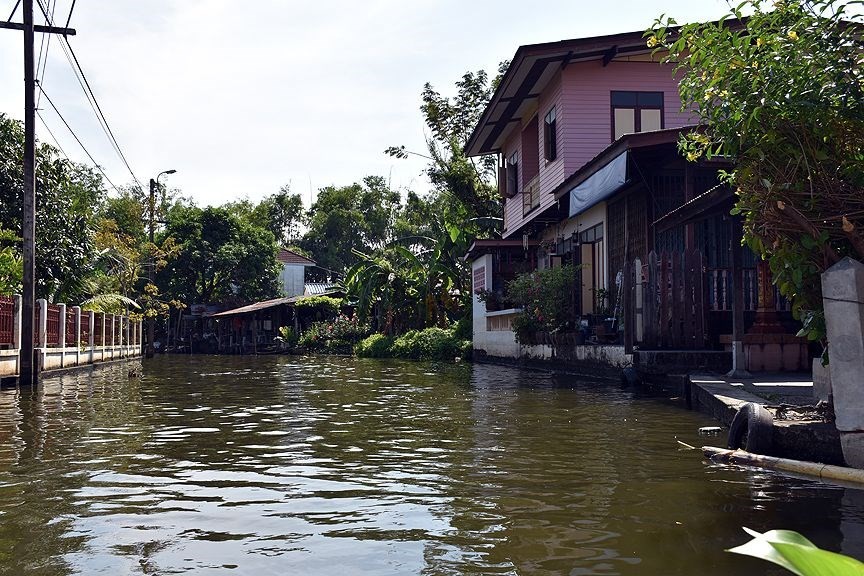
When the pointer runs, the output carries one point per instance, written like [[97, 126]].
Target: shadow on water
[[214, 465]]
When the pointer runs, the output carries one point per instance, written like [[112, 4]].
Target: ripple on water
[[342, 466]]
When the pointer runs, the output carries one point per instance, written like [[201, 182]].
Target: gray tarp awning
[[600, 185]]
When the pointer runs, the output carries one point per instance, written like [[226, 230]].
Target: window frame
[[637, 108], [550, 135]]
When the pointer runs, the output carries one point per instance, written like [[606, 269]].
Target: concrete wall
[[292, 279]]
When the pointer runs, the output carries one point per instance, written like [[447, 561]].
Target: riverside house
[[586, 134]]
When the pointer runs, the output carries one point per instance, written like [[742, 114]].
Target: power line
[[53, 137], [46, 45], [72, 58], [98, 167], [15, 9]]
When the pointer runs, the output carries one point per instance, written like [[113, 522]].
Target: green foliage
[[546, 299], [319, 307], [427, 344], [782, 93], [218, 257], [11, 265], [338, 335], [797, 554], [68, 195], [375, 346], [288, 335], [109, 303], [350, 218]]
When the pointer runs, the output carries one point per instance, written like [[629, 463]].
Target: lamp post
[[154, 184]]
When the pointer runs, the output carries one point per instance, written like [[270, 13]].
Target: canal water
[[335, 466]]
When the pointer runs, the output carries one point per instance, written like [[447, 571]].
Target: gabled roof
[[287, 256], [532, 67]]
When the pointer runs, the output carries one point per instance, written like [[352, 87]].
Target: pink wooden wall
[[581, 94]]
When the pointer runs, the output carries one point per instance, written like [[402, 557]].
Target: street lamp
[[154, 184]]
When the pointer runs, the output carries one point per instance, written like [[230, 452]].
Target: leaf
[[797, 554]]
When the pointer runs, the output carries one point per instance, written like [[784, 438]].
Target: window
[[550, 146], [513, 175], [636, 112]]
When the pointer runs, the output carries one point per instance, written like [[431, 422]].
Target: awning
[[600, 185]]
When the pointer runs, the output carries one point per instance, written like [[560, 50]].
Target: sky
[[242, 98]]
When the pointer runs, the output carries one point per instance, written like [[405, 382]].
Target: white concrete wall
[[293, 279], [494, 343]]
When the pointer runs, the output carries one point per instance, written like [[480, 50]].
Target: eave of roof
[[256, 306], [479, 247], [519, 82], [714, 200]]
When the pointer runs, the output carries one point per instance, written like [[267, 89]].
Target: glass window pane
[[651, 99], [650, 120], [625, 121], [620, 98]]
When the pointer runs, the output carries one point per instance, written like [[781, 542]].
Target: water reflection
[[335, 466]]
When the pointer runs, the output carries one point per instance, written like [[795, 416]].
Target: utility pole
[[151, 269], [151, 330], [27, 374]]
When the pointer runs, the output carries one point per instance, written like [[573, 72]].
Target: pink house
[[586, 133]]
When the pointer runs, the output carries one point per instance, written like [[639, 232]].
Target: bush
[[375, 346], [339, 335], [546, 299], [319, 307], [428, 344], [288, 335]]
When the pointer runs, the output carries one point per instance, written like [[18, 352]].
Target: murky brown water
[[321, 466]]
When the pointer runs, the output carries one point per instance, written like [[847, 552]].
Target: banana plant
[[797, 554]]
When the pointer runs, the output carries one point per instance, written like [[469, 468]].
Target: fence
[[7, 320], [60, 329], [671, 296]]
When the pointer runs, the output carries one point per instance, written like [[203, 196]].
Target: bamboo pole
[[821, 471]]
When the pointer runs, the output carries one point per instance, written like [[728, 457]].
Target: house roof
[[531, 68], [534, 66], [480, 247], [319, 288], [718, 198], [256, 306], [287, 256]]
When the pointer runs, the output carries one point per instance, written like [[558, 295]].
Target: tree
[[467, 187], [68, 196], [218, 258], [782, 92], [351, 218]]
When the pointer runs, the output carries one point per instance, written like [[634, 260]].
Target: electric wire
[[15, 9], [53, 137], [69, 19], [72, 58], [46, 44], [68, 127]]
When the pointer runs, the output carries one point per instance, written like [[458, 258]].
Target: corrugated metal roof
[[258, 306], [289, 257], [319, 288]]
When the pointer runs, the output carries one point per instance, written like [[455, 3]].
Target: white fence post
[[42, 306], [16, 322]]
